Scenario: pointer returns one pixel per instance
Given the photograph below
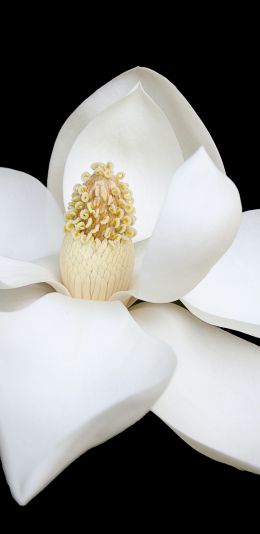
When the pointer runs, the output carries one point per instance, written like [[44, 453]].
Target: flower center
[[102, 207], [97, 253]]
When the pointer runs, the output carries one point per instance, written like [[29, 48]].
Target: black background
[[147, 470]]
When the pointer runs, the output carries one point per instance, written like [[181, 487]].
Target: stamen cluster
[[101, 207]]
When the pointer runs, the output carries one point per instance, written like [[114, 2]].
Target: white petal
[[15, 273], [197, 224], [18, 298], [137, 137], [51, 263], [213, 399], [229, 296], [74, 374], [30, 219], [190, 131]]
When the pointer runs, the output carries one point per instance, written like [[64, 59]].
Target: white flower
[[74, 372]]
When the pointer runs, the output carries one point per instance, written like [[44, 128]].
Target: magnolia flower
[[75, 369]]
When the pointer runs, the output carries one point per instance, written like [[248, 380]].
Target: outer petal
[[30, 219], [18, 298], [136, 135], [15, 273], [75, 374], [190, 131], [213, 399], [197, 224], [229, 296]]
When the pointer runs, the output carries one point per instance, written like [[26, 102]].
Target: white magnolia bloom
[[75, 372]]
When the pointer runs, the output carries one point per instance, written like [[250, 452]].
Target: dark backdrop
[[147, 468]]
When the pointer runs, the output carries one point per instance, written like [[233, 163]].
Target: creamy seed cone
[[97, 254]]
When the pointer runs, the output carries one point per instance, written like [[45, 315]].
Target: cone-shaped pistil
[[97, 253]]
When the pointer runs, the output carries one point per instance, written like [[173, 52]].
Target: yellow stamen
[[84, 197]]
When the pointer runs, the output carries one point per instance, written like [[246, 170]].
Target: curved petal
[[190, 131], [229, 296], [213, 399], [75, 374], [18, 298], [136, 135], [51, 264], [197, 224], [15, 273], [32, 222]]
